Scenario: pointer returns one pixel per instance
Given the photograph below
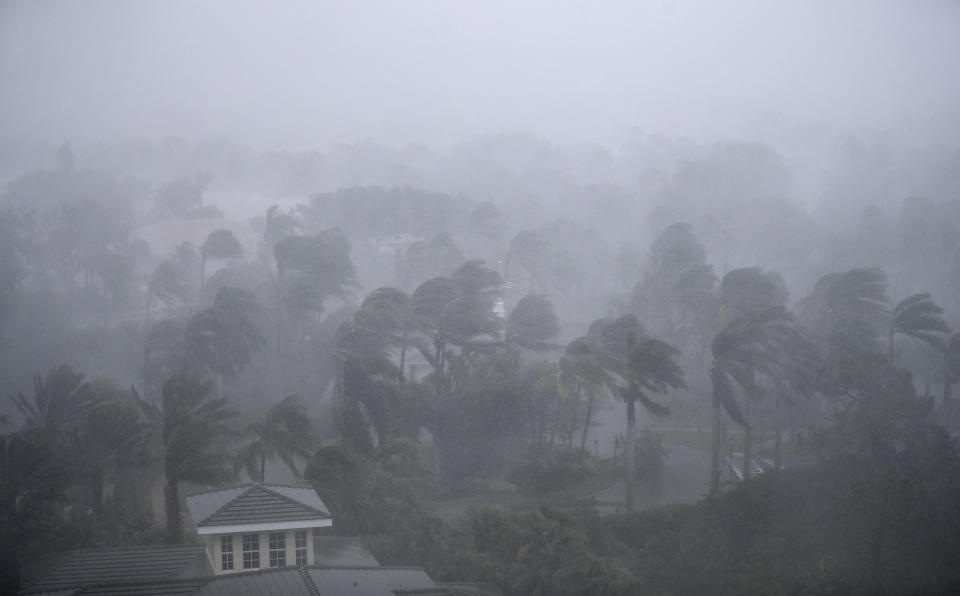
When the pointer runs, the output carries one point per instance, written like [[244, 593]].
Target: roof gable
[[256, 504]]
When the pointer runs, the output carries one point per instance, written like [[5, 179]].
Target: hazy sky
[[398, 70]]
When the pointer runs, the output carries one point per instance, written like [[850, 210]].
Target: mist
[[538, 297]]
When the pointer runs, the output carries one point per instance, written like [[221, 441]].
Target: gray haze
[[300, 73]]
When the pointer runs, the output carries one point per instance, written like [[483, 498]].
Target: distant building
[[258, 526]]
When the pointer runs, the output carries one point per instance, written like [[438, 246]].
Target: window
[[251, 551], [278, 549], [300, 542], [226, 552]]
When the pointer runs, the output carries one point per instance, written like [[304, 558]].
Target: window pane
[[251, 551], [226, 552], [278, 549], [300, 539]]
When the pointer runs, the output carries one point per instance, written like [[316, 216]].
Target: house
[[258, 526]]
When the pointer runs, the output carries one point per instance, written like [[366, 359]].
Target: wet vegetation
[[666, 363]]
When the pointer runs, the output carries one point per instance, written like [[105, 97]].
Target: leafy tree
[[283, 433], [189, 425], [220, 244]]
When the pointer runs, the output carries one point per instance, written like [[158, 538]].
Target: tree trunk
[[96, 490], [586, 424], [715, 451], [747, 441], [203, 267], [171, 496], [946, 379], [890, 353], [777, 453], [631, 450], [403, 356], [263, 464]]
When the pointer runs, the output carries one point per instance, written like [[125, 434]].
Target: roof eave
[[266, 527]]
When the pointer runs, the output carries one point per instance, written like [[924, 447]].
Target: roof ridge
[[305, 576], [222, 488], [227, 504], [371, 567], [294, 501], [284, 485]]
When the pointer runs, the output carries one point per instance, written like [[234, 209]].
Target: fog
[[536, 297], [304, 73]]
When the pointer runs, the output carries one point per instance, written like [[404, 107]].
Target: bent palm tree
[[283, 433], [919, 317], [650, 369], [220, 244], [189, 425]]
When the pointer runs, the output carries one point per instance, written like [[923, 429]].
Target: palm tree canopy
[[223, 337], [920, 317], [532, 322], [750, 289], [284, 432], [221, 244], [191, 425], [168, 282], [651, 368], [60, 397]]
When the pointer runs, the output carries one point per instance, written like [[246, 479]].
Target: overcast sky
[[310, 71]]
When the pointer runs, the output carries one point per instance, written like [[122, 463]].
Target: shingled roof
[[256, 504], [89, 567]]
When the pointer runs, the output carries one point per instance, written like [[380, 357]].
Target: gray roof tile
[[88, 567], [255, 503], [286, 581]]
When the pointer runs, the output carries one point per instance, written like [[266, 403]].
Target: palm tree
[[532, 323], [951, 364], [189, 425], [224, 336], [846, 314], [750, 344], [392, 315], [220, 244], [110, 437], [283, 433], [583, 372], [650, 369], [168, 283], [60, 399], [919, 317]]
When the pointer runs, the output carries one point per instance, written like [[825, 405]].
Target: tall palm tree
[[393, 316], [650, 368], [583, 373], [189, 426], [284, 433], [224, 336], [846, 314], [750, 344], [168, 282], [951, 365], [919, 317], [532, 323], [219, 244], [110, 436]]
